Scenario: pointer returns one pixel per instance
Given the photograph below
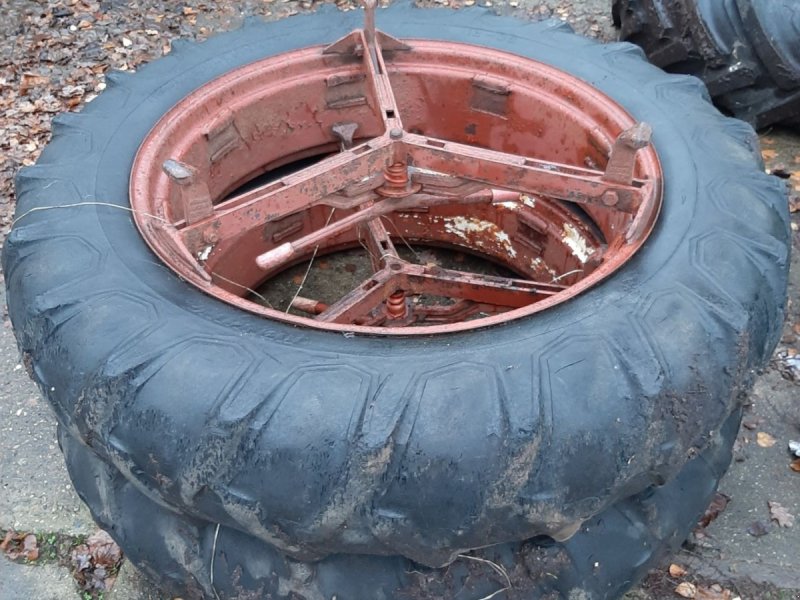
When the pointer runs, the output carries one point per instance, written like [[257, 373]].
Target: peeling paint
[[577, 243], [528, 200], [204, 254], [463, 227]]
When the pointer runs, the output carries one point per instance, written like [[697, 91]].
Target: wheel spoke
[[361, 301], [484, 289], [379, 244], [524, 175], [296, 192]]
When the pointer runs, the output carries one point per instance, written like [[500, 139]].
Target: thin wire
[[213, 555], [567, 274], [499, 569], [400, 235], [125, 208], [310, 263], [244, 287]]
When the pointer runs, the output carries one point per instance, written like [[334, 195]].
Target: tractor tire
[[746, 51]]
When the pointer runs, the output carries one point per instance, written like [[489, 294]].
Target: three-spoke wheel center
[[423, 143]]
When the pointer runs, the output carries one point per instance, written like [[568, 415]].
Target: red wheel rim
[[429, 142]]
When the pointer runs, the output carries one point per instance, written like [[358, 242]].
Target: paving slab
[[27, 582]]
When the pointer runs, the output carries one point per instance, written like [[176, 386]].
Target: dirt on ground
[[54, 56]]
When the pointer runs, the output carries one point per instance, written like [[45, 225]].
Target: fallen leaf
[[715, 592], [686, 590], [30, 548], [104, 549], [758, 529], [765, 440], [676, 570], [718, 505], [780, 515], [795, 465], [768, 154]]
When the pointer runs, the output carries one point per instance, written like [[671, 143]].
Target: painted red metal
[[427, 152]]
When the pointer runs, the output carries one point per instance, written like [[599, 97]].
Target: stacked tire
[[746, 51], [560, 456]]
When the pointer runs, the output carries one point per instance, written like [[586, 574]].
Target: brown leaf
[[764, 439], [715, 592], [768, 154], [718, 505], [30, 548], [686, 590], [6, 541], [676, 570], [780, 515], [795, 465], [104, 549]]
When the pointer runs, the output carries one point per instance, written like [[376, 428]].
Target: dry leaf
[[780, 515], [764, 439], [718, 504], [768, 154], [676, 570], [686, 589], [715, 592], [795, 465]]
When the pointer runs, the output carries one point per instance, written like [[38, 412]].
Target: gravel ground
[[53, 58]]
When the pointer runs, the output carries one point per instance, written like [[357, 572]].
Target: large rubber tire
[[319, 444], [609, 553], [746, 51]]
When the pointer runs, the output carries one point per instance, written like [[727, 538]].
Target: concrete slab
[[35, 491], [26, 582]]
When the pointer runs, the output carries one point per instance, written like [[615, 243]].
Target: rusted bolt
[[610, 198], [396, 305], [396, 183], [396, 133]]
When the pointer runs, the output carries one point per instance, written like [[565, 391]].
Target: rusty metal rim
[[148, 183]]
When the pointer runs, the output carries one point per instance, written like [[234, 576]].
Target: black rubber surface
[[319, 444], [609, 552], [746, 51]]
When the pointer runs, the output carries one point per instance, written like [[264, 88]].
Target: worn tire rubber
[[320, 445], [746, 51], [605, 557]]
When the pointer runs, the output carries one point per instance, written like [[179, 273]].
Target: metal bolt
[[395, 133], [610, 198]]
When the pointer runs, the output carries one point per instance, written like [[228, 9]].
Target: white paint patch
[[462, 227], [528, 201], [576, 243], [205, 253], [510, 205]]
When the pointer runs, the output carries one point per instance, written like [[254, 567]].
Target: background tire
[[746, 51], [318, 445]]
